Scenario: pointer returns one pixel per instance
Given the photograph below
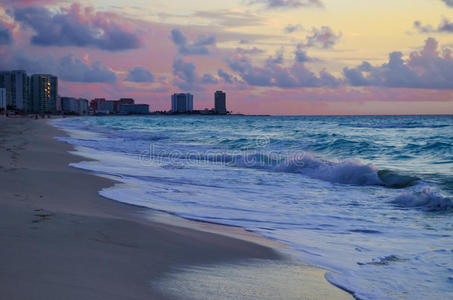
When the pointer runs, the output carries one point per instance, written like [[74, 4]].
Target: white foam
[[424, 199]]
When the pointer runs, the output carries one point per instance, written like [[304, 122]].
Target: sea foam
[[426, 199]]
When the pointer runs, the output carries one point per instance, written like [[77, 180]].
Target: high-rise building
[[71, 105], [44, 93], [2, 98], [181, 103], [220, 102], [16, 84], [53, 93]]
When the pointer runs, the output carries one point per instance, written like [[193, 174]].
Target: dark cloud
[[293, 28], [139, 74], [67, 68], [426, 69], [5, 35], [301, 54], [21, 60], [225, 76], [78, 27], [448, 2], [445, 26], [72, 68], [186, 77], [287, 3], [209, 79], [323, 37], [273, 73], [23, 3], [277, 59], [198, 47]]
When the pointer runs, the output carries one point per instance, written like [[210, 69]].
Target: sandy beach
[[60, 240]]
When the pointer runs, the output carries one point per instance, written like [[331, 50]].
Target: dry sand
[[60, 240]]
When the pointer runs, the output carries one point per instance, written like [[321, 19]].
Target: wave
[[395, 180], [396, 125], [425, 199], [137, 135], [441, 147], [350, 171], [383, 261]]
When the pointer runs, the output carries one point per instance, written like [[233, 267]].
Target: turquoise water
[[369, 198]]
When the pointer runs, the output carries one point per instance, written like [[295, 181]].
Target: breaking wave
[[426, 199], [349, 171]]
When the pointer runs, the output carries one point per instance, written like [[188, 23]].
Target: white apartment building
[[181, 103]]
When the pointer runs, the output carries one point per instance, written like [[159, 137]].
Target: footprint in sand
[[43, 216]]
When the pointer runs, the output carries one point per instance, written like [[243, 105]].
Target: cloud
[[186, 77], [253, 50], [209, 79], [448, 2], [293, 28], [277, 59], [23, 3], [274, 74], [446, 26], [270, 4], [72, 68], [225, 76], [5, 35], [198, 47], [21, 60], [426, 69], [67, 68], [78, 27], [301, 54], [324, 38], [139, 74]]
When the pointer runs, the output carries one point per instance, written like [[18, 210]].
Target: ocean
[[369, 198]]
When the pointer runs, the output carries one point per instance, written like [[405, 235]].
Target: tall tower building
[[17, 89], [44, 93], [220, 102], [181, 103], [2, 98], [53, 80]]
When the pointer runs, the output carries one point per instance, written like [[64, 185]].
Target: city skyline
[[284, 57], [38, 93]]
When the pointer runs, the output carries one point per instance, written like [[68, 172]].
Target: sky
[[280, 57]]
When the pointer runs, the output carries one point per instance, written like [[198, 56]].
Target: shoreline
[[61, 239]]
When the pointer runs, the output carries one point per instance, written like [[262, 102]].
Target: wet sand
[[60, 240]]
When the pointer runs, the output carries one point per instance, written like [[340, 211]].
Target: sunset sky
[[270, 56]]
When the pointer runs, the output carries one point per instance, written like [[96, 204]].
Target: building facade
[[220, 102], [134, 109], [103, 106], [181, 103], [53, 93], [16, 84], [71, 105], [2, 98], [43, 93]]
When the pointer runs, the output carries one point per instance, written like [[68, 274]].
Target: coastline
[[60, 239]]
